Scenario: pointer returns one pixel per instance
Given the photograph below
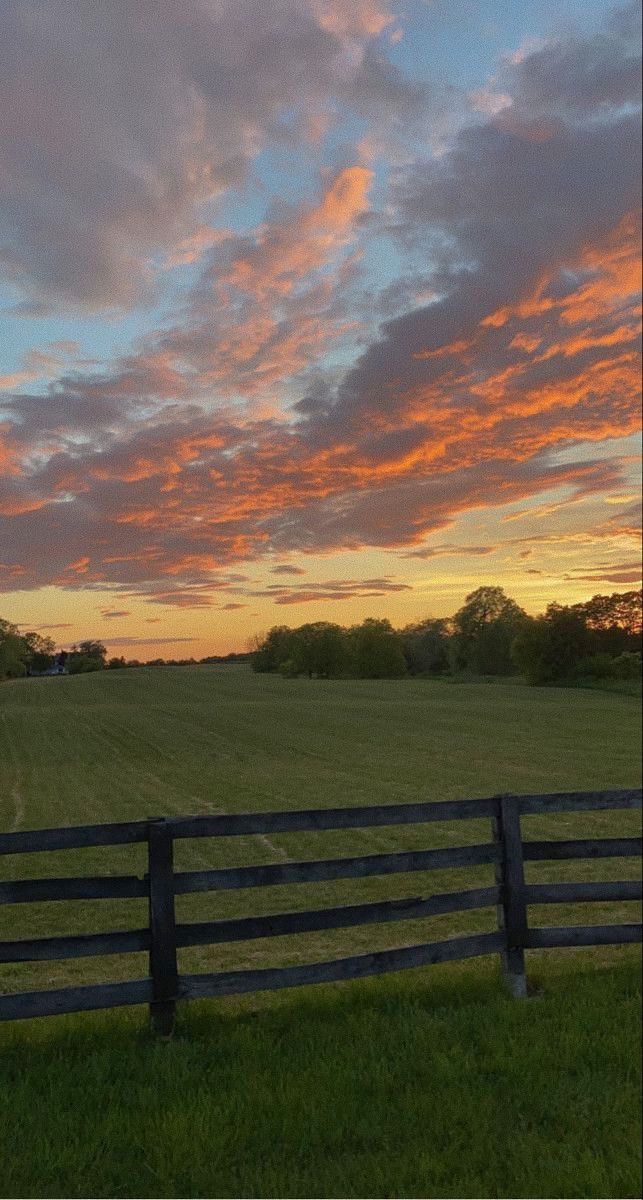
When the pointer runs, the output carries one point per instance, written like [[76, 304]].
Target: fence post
[[163, 965], [512, 910]]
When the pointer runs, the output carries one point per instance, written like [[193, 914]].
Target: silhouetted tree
[[376, 650], [87, 656], [484, 629], [549, 648], [615, 621], [13, 651], [426, 647], [276, 648], [320, 649], [40, 652]]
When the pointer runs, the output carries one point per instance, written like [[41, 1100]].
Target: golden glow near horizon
[[537, 559], [352, 345]]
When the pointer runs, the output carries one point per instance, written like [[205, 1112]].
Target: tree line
[[32, 654], [490, 635]]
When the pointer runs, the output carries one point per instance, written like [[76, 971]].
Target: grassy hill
[[429, 1083]]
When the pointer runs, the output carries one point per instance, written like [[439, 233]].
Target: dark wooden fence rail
[[162, 938]]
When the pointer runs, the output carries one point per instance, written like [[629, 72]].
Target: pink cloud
[[152, 478], [143, 113]]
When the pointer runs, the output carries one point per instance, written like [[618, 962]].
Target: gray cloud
[[138, 641], [331, 589], [117, 120], [135, 480], [583, 77]]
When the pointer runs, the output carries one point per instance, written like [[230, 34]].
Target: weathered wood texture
[[230, 983], [204, 933], [564, 893], [309, 820], [90, 887], [507, 852], [584, 935], [514, 875], [73, 837], [74, 999], [163, 964], [582, 848], [333, 868], [244, 928], [123, 833], [82, 945], [555, 802], [511, 911]]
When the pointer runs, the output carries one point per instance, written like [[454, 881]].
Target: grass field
[[429, 1083]]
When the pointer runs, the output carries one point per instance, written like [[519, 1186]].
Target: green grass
[[401, 1088], [427, 1083]]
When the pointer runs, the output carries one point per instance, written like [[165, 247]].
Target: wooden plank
[[514, 880], [562, 893], [584, 935], [79, 946], [163, 964], [580, 801], [22, 1005], [73, 837], [232, 983], [582, 848], [89, 887], [123, 833], [511, 911], [204, 933], [333, 868], [234, 824]]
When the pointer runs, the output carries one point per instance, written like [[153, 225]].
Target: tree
[[615, 621], [276, 647], [40, 652], [484, 629], [320, 649], [376, 650], [549, 648], [13, 651], [87, 656], [426, 647]]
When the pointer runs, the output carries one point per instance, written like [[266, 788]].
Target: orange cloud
[[154, 477], [287, 252], [356, 19]]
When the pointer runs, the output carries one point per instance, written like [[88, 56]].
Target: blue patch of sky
[[456, 41], [461, 41], [101, 337]]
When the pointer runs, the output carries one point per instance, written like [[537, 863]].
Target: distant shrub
[[595, 666], [82, 664], [289, 669], [628, 665]]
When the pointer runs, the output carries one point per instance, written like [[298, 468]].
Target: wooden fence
[[507, 851]]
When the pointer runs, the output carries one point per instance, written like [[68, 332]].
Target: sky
[[314, 310]]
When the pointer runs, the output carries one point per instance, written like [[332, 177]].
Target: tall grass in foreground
[[423, 1085]]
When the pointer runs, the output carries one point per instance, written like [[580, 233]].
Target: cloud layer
[[232, 434], [118, 120]]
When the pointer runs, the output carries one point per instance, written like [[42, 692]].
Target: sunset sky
[[314, 309]]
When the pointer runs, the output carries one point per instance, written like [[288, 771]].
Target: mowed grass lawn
[[426, 1083]]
